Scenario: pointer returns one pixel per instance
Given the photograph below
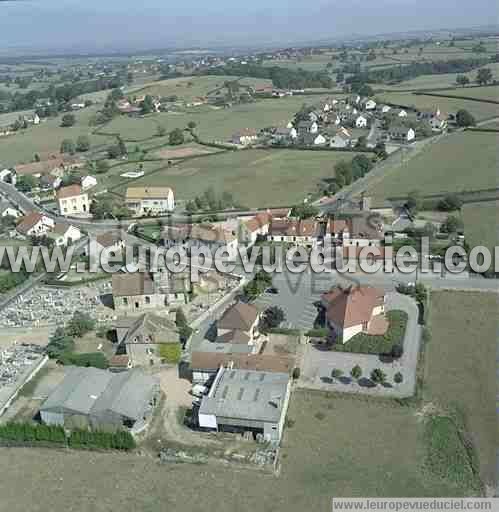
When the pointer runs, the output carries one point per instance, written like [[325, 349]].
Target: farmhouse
[[247, 401], [88, 182], [138, 292], [361, 121], [341, 139], [298, 232], [106, 247], [245, 137], [150, 200], [401, 132], [141, 337], [352, 310], [8, 210], [359, 230], [305, 127], [214, 237], [369, 104], [35, 224], [72, 200], [253, 228], [239, 324], [101, 400], [64, 235]]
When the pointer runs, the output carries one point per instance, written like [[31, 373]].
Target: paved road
[[318, 364]]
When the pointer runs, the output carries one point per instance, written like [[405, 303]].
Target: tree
[[101, 166], [337, 373], [414, 202], [176, 137], [83, 143], [80, 324], [361, 165], [68, 147], [26, 183], [304, 211], [122, 146], [161, 130], [343, 172], [183, 327], [68, 120], [450, 203], [397, 351], [60, 342], [356, 372], [484, 76], [147, 106], [361, 142], [462, 80], [398, 378], [272, 318], [378, 376], [191, 125], [452, 224], [464, 118]]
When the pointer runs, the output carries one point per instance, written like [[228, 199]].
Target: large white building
[[150, 200], [73, 201]]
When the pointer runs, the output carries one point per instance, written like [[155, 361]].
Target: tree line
[[30, 434], [410, 71], [282, 78]]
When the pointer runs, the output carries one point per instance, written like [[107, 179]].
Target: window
[[125, 301], [148, 300], [137, 305]]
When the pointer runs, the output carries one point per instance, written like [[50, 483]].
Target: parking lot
[[296, 295]]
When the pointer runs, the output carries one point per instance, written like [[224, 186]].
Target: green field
[[459, 162], [481, 224], [447, 105], [214, 124], [480, 93], [461, 366], [190, 87], [444, 80], [46, 138], [256, 178]]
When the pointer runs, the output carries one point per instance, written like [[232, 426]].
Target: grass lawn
[[256, 178], [481, 224], [461, 366], [46, 138], [369, 344], [361, 447], [480, 93], [460, 162], [448, 105]]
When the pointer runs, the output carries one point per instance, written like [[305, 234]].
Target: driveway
[[318, 364]]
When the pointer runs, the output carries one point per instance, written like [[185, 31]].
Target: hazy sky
[[114, 24]]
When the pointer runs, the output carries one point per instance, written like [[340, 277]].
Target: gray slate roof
[[247, 395], [90, 391]]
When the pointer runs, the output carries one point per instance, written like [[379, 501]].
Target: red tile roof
[[28, 221], [351, 306], [69, 191]]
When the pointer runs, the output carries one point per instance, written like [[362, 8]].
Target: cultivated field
[[256, 178], [460, 162], [461, 366], [447, 105], [46, 138], [481, 224], [360, 447]]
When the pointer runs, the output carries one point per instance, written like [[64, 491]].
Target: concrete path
[[318, 364]]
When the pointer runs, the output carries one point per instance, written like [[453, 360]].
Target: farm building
[[98, 399], [247, 401]]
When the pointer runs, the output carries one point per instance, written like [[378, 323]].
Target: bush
[[398, 378], [321, 332], [93, 359], [80, 324], [170, 352], [368, 344]]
